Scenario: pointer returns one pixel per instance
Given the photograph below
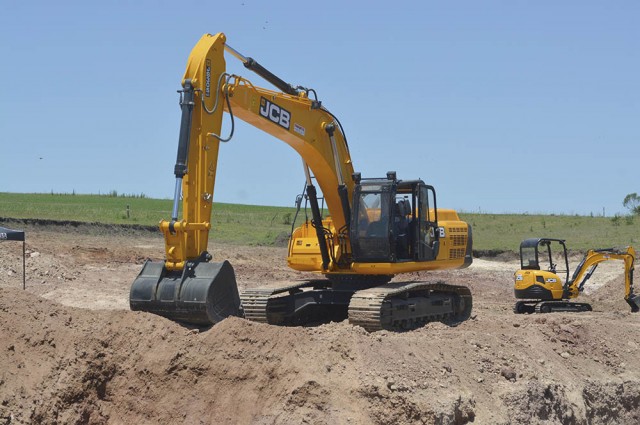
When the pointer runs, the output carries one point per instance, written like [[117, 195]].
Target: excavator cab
[[394, 221]]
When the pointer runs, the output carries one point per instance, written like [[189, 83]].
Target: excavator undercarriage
[[394, 306]]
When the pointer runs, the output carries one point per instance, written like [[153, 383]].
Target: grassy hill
[[260, 225]]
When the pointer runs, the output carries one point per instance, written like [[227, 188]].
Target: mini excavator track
[[534, 306], [561, 306]]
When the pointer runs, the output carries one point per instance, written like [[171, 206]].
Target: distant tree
[[632, 203]]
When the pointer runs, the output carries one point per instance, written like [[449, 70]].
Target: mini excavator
[[376, 227], [542, 291]]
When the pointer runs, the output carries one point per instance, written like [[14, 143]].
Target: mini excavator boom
[[542, 291], [377, 228]]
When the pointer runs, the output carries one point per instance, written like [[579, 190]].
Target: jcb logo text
[[275, 113]]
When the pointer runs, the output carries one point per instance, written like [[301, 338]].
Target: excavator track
[[397, 306], [405, 306], [524, 307], [257, 307], [532, 306], [561, 306]]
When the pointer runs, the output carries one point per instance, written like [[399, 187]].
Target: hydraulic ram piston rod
[[254, 66]]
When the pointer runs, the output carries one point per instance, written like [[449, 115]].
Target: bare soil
[[71, 352]]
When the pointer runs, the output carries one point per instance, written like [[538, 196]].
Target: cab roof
[[533, 242]]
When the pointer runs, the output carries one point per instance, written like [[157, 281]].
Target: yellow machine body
[[421, 237], [551, 285], [304, 250], [537, 286]]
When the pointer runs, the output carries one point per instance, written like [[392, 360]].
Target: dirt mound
[[72, 352]]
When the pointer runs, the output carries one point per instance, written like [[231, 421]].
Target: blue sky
[[503, 106]]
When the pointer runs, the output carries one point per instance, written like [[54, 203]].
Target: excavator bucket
[[634, 303], [202, 293]]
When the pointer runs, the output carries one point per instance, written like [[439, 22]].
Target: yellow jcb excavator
[[542, 291], [376, 228]]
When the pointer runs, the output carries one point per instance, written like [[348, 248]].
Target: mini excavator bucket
[[634, 303], [202, 293]]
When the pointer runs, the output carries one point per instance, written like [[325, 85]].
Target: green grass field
[[505, 231], [240, 224], [259, 225]]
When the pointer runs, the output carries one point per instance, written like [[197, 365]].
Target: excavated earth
[[71, 352]]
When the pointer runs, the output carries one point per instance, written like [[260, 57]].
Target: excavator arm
[[197, 156], [588, 265]]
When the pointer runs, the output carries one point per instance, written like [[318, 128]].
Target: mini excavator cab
[[539, 259], [539, 253], [394, 220]]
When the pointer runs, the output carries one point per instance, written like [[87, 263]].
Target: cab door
[[427, 243], [371, 222]]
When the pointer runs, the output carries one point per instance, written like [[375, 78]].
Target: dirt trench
[[71, 352]]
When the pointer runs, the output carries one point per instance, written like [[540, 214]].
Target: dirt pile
[[71, 352]]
